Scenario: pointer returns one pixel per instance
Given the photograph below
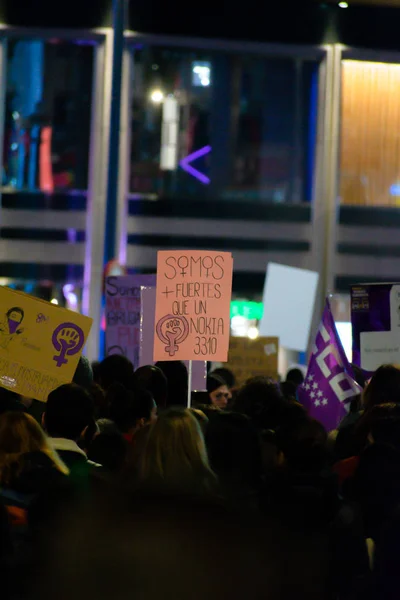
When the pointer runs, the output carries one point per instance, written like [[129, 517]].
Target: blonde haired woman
[[28, 466], [174, 456]]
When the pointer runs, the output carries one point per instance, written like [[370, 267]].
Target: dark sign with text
[[123, 314]]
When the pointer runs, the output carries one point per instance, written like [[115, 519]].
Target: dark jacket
[[29, 490], [375, 486]]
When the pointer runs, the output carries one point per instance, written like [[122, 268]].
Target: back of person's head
[[295, 376], [108, 450], [116, 369], [304, 445], [69, 410], [261, 399], [100, 402], [10, 401], [83, 375], [174, 456], [152, 379], [20, 434], [234, 449], [130, 408], [177, 379], [383, 388], [227, 375]]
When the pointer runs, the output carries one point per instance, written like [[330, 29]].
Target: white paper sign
[[289, 297], [379, 348]]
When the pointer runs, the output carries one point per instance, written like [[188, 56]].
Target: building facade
[[277, 142]]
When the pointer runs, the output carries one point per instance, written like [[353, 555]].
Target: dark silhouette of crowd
[[115, 489]]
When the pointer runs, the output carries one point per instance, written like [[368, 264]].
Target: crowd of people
[[115, 489]]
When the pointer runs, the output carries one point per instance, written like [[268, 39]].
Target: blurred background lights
[[157, 96], [201, 74], [252, 333]]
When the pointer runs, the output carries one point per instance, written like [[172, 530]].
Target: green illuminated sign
[[248, 310]]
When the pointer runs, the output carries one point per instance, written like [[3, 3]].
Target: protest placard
[[123, 314], [375, 320], [40, 344], [288, 314], [147, 329], [193, 297], [253, 358]]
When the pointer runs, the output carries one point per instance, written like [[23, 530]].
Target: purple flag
[[329, 386]]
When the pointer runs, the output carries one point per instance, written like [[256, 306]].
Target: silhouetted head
[[303, 444], [153, 380], [295, 376], [10, 401], [177, 378], [69, 411], [262, 400], [116, 369], [109, 450], [383, 388], [130, 410]]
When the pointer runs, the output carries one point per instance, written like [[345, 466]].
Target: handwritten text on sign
[[194, 290], [123, 314]]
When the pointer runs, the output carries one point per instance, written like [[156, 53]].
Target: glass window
[[370, 134], [47, 123], [223, 126]]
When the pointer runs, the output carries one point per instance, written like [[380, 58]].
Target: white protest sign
[[289, 297]]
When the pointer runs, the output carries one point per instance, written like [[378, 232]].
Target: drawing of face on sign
[[10, 326]]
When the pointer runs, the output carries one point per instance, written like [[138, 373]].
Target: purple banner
[[123, 314], [329, 385], [147, 319]]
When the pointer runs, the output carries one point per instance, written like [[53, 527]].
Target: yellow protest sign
[[253, 358], [40, 344]]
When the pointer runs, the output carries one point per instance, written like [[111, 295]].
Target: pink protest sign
[[123, 314], [193, 296], [148, 312]]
